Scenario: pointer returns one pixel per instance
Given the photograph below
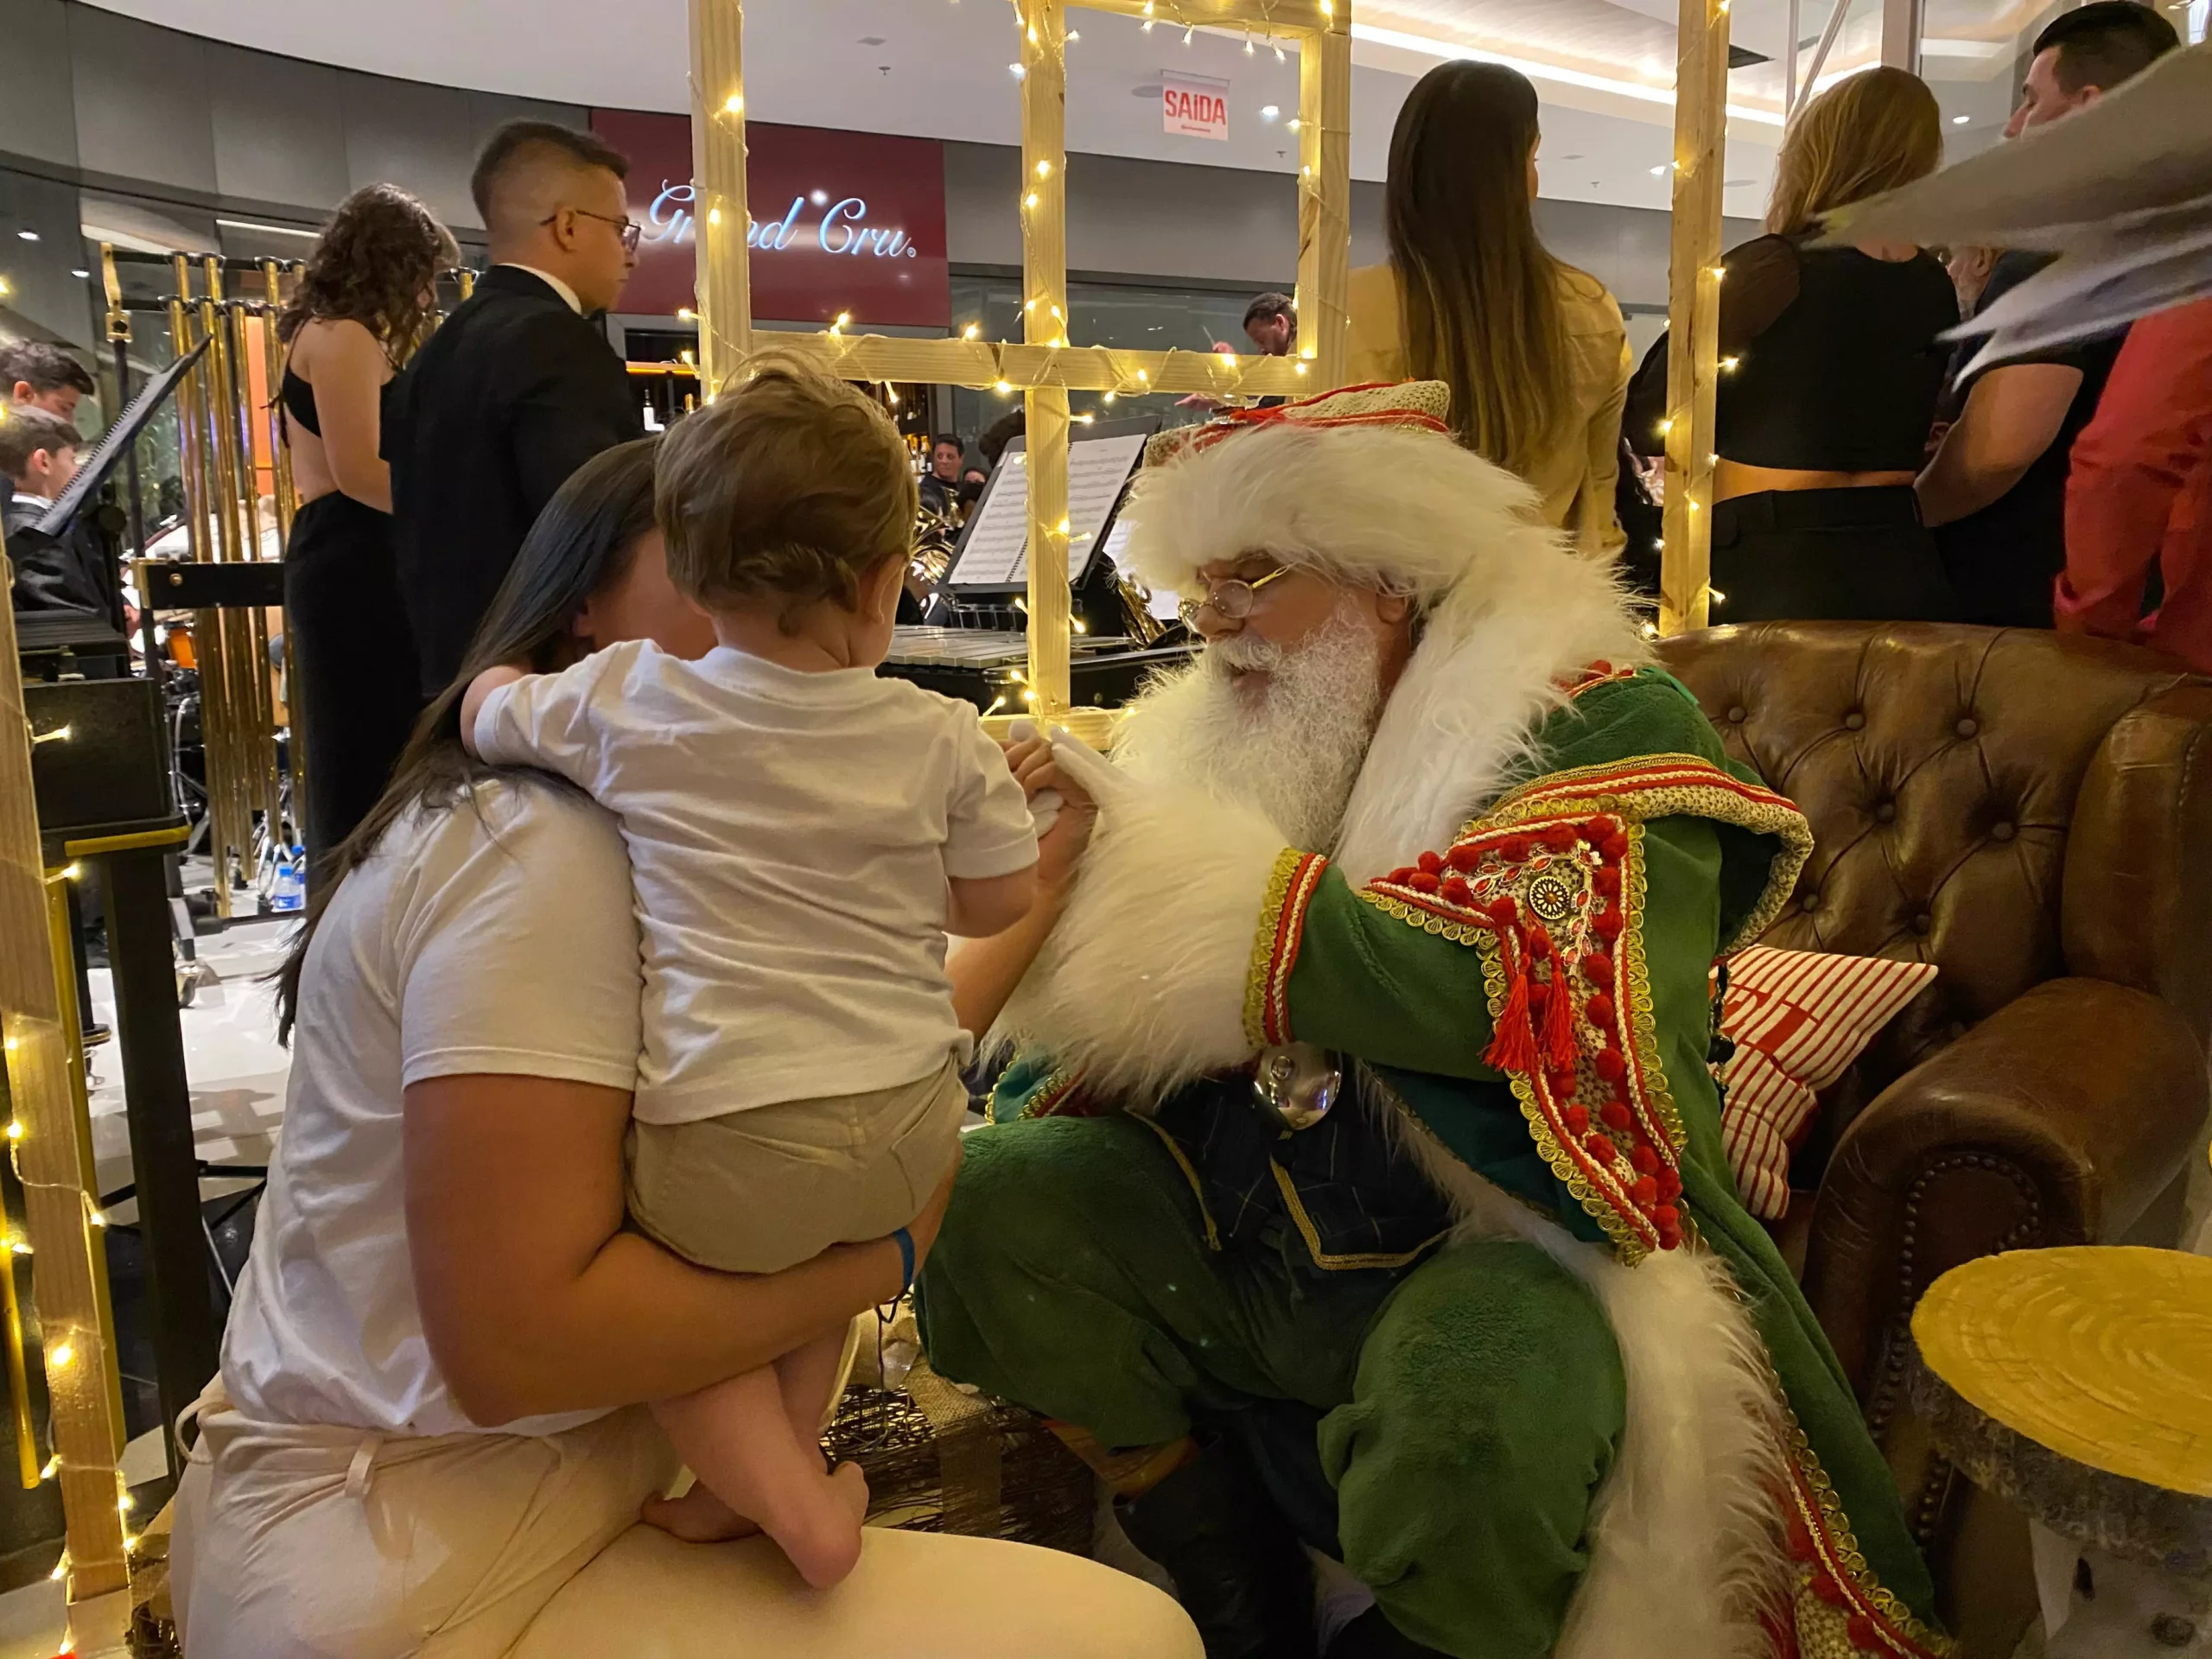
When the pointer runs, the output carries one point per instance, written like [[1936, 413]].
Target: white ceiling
[[940, 68]]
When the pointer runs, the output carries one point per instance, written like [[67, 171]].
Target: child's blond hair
[[789, 488]]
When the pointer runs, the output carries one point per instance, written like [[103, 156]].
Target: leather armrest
[[2055, 1121]]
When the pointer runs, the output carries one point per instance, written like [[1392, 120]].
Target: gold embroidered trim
[[1339, 1263], [1263, 982], [1832, 1537], [1056, 1087], [1601, 1195], [1652, 1093], [1213, 1235], [1664, 785]]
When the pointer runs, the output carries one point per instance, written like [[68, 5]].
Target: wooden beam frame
[[1694, 312], [1044, 365]]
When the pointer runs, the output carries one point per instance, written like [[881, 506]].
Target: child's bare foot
[[697, 1517], [827, 1546]]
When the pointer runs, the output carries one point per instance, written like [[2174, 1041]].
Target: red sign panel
[[848, 222]]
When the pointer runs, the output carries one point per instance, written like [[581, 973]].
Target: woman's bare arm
[[348, 369], [534, 1298]]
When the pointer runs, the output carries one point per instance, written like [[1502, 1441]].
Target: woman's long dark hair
[[1481, 293], [374, 265], [582, 542]]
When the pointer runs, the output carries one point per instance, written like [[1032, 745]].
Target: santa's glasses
[[1231, 600]]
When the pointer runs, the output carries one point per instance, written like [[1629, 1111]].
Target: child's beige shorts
[[758, 1190]]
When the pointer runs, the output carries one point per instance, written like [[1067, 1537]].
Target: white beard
[[1291, 747]]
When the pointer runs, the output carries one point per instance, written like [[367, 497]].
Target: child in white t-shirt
[[802, 834]]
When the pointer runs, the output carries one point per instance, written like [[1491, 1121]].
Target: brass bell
[[1295, 1084]]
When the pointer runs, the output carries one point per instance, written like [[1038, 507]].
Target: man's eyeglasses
[[1231, 600], [627, 228]]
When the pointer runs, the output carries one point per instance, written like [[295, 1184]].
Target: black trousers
[[353, 687], [1841, 556]]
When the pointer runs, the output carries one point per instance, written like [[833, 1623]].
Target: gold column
[[253, 621], [44, 1141], [280, 459], [1325, 193], [1044, 322], [719, 217], [1693, 312], [220, 469], [196, 470]]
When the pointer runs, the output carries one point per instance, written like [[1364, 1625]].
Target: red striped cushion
[[1798, 1019]]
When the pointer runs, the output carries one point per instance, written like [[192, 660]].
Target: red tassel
[[1559, 1025], [1513, 1045]]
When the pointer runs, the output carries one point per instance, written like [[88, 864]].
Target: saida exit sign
[[1194, 106]]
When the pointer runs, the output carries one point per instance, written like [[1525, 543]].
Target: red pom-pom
[[1577, 1119], [1864, 1636], [1514, 849], [1670, 1238], [1666, 1215], [1645, 1191], [1504, 912], [1615, 1115], [1600, 1010], [1430, 863], [1826, 1588], [1601, 1148], [1600, 669], [1462, 857], [1671, 1185], [1598, 968], [1599, 829], [1540, 991], [1397, 877], [1607, 924], [1609, 882], [1561, 837], [1614, 847], [1422, 881], [1610, 1066], [1457, 890], [1645, 1160]]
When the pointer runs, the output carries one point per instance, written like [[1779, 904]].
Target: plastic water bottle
[[291, 893]]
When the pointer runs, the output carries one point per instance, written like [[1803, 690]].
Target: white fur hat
[[1364, 485]]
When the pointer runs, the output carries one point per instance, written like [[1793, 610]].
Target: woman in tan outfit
[[1533, 349]]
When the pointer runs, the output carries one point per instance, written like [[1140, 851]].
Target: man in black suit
[[518, 388]]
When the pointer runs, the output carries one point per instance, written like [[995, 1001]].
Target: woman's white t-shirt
[[494, 936]]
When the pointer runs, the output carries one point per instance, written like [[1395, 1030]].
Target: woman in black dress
[[1831, 369], [358, 311]]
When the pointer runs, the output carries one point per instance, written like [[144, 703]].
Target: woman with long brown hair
[[1533, 350], [357, 313], [1831, 369]]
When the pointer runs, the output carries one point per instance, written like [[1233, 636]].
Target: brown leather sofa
[[2032, 813]]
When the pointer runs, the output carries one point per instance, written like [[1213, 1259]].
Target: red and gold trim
[[1413, 406], [1666, 786], [1553, 905], [1838, 1606], [1291, 887], [1548, 886], [1054, 1096], [1599, 673]]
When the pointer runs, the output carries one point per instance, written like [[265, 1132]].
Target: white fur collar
[[1466, 709]]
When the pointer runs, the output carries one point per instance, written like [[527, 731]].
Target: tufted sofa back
[[2012, 806]]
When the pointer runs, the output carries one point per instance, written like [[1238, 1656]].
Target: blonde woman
[[1533, 349], [1823, 421]]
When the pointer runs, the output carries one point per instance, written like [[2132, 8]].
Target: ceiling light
[[1660, 172], [1016, 71], [28, 236], [1960, 120], [80, 275], [268, 230], [1430, 46], [1268, 111]]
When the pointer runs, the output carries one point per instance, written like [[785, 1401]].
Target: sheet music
[[995, 553], [93, 468]]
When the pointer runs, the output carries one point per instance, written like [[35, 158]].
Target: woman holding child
[[443, 1367]]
